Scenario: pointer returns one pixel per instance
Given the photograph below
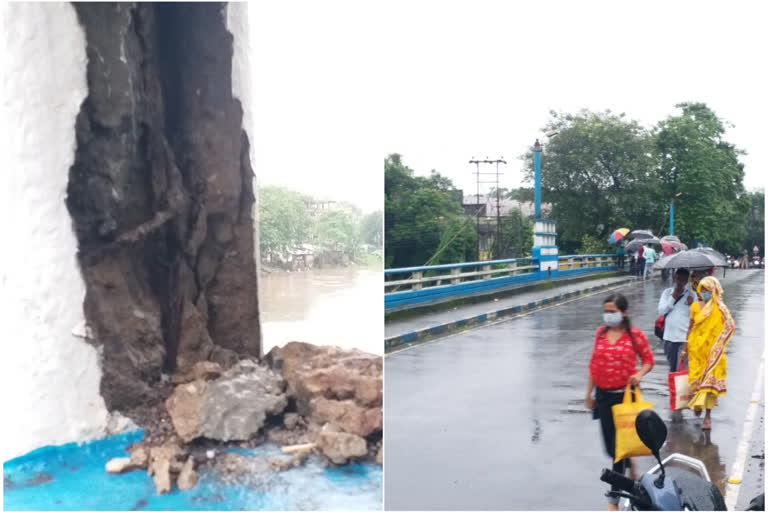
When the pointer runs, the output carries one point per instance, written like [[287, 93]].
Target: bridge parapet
[[416, 286]]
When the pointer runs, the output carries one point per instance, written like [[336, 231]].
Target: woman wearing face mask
[[614, 365], [710, 330]]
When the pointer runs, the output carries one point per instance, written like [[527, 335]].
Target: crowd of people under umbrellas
[[696, 328], [645, 253]]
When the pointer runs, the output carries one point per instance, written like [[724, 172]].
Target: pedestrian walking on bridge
[[710, 331], [650, 259], [675, 303], [613, 365], [620, 256]]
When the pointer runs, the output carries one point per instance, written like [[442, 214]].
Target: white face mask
[[612, 319]]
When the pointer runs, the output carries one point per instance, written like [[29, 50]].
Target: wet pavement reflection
[[494, 418]]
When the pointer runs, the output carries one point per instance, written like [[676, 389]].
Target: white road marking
[[737, 470], [515, 317]]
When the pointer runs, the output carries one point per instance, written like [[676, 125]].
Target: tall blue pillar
[[544, 230], [537, 179], [672, 217]]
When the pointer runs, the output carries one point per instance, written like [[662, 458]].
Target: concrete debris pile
[[308, 399]]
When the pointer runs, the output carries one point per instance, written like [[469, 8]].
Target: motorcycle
[[681, 489]]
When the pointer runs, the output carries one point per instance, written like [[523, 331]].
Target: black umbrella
[[640, 233], [717, 256], [691, 258], [670, 238], [635, 244]]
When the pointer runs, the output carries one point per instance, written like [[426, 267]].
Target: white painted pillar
[[50, 377]]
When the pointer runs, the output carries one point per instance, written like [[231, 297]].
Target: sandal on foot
[[706, 425]]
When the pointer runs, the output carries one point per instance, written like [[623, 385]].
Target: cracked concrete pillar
[[134, 204]]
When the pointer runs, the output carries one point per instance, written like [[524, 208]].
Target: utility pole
[[477, 197], [498, 211], [498, 207]]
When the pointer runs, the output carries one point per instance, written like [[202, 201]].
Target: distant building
[[487, 211], [488, 206], [318, 206]]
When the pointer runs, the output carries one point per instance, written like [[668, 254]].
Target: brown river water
[[342, 307]]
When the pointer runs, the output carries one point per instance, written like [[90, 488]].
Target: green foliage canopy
[[284, 221], [423, 218], [597, 174], [603, 171], [695, 161]]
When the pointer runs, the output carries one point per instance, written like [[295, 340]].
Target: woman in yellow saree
[[710, 331]]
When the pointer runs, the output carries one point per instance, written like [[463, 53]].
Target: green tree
[[696, 162], [371, 228], [592, 245], [597, 173], [755, 225], [283, 218], [423, 218], [338, 229]]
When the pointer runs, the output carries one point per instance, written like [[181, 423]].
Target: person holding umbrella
[[620, 256], [616, 236], [675, 303], [710, 330]]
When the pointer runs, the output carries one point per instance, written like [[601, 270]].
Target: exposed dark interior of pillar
[[161, 195]]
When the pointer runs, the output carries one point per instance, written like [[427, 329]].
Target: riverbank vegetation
[[298, 231]]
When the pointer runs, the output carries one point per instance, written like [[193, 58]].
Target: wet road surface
[[494, 418]]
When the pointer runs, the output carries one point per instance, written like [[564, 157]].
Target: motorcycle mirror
[[651, 430]]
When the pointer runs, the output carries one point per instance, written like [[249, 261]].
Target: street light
[[672, 214]]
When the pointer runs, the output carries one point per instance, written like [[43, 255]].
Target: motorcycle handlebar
[[618, 480]]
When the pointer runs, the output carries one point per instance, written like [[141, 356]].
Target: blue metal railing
[[437, 283]]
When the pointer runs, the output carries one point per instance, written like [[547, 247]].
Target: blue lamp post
[[672, 214], [537, 179]]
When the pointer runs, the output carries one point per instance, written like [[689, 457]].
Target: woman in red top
[[614, 365]]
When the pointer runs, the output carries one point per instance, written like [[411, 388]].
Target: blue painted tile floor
[[72, 477]]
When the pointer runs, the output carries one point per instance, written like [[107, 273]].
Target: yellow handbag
[[628, 444]]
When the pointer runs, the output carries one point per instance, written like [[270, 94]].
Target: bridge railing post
[[455, 273], [486, 268], [417, 285]]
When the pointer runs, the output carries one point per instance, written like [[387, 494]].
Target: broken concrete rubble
[[185, 407], [233, 407], [251, 402], [187, 476], [163, 460], [323, 371], [346, 415], [119, 465], [340, 447], [331, 385], [202, 370]]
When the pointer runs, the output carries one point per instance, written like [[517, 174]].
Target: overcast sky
[[341, 84]]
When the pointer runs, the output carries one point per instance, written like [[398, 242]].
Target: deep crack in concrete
[[161, 195]]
